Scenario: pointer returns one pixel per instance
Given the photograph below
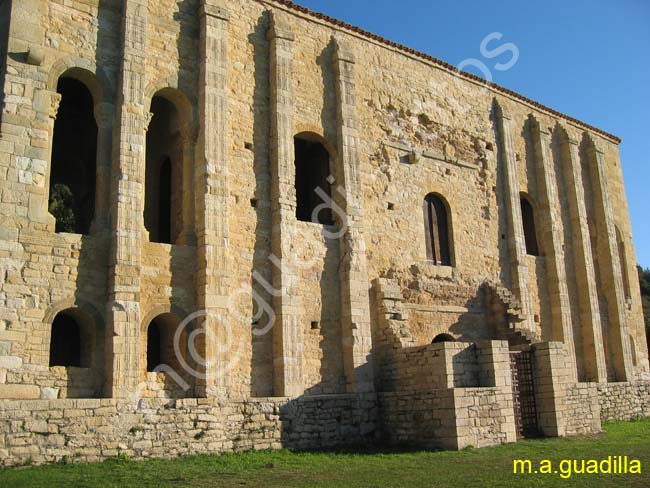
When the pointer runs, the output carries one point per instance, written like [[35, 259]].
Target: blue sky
[[589, 59]]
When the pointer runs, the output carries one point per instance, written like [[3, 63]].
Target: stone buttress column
[[610, 265], [516, 240], [104, 113], [287, 333], [550, 231], [211, 202], [124, 313], [187, 235], [592, 339], [353, 275]]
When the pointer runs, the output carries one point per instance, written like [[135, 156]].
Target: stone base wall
[[42, 431], [425, 418], [485, 416], [582, 412], [452, 418], [624, 401]]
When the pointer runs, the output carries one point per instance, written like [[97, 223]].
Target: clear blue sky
[[589, 59]]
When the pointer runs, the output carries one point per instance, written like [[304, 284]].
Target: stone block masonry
[[169, 284], [42, 431]]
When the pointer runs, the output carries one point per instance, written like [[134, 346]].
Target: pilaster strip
[[590, 324], [515, 229], [549, 208], [353, 274], [211, 201], [104, 113], [124, 269], [609, 265], [287, 332]]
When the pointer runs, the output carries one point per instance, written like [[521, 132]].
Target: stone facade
[[251, 309]]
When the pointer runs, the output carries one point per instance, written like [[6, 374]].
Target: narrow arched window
[[164, 197], [443, 338], [313, 188], [65, 341], [436, 224], [153, 346], [530, 233], [74, 152]]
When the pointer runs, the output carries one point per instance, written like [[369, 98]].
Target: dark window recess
[[163, 179], [312, 170], [443, 338], [164, 203], [74, 152], [153, 346], [436, 230], [65, 342], [528, 220]]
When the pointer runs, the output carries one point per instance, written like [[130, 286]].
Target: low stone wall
[[624, 401], [484, 416], [451, 418], [582, 412], [425, 418], [45, 431]]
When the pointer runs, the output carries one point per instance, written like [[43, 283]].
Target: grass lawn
[[372, 469]]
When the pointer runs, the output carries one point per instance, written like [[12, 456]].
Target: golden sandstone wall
[[245, 77]]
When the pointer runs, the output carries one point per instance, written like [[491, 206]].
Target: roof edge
[[443, 64]]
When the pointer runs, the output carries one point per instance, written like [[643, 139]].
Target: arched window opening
[[65, 341], [163, 348], [622, 260], [436, 230], [74, 152], [153, 346], [163, 206], [528, 220], [443, 338], [313, 189]]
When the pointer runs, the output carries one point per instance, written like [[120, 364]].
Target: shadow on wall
[[465, 330], [261, 367], [328, 421], [331, 370], [5, 19]]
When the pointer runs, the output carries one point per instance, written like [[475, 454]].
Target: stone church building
[[240, 224]]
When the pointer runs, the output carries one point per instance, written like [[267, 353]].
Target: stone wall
[[624, 401], [245, 77], [42, 431], [426, 418], [451, 418], [583, 414]]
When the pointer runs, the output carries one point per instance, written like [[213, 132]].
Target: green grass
[[365, 468]]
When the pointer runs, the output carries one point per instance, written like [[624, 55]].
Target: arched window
[[74, 152], [153, 346], [164, 198], [162, 346], [313, 189], [443, 338], [65, 341], [436, 225], [528, 220]]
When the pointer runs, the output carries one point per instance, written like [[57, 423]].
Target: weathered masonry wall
[[624, 401], [216, 92], [42, 431]]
